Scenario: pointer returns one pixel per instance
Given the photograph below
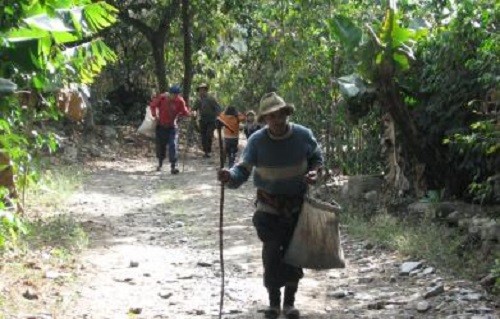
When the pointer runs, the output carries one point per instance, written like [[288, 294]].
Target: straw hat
[[272, 102]]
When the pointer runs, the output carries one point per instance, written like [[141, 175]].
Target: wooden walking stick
[[221, 222], [186, 144]]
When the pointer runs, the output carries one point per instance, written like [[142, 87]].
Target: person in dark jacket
[[207, 109], [166, 108]]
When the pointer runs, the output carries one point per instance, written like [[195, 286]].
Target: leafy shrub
[[455, 69], [438, 244], [11, 225]]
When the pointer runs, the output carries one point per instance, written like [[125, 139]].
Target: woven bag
[[316, 239]]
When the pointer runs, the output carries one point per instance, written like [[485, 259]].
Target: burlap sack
[[316, 239]]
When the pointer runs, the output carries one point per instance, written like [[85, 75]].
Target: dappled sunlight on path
[[154, 252]]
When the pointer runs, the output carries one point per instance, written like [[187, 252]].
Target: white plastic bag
[[148, 126], [316, 240]]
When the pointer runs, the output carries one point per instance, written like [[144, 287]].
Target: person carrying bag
[[284, 157]]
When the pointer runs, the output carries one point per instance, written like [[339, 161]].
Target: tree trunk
[[158, 47], [156, 37], [421, 158], [188, 50]]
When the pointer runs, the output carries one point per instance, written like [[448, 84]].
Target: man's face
[[250, 118], [276, 120], [202, 92]]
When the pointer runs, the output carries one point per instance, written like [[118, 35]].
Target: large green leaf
[[66, 25], [33, 46], [99, 15], [88, 59], [346, 31], [397, 41], [64, 37], [402, 61], [401, 35], [48, 23], [24, 34]]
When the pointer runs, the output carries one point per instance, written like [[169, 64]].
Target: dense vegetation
[[405, 85], [429, 67]]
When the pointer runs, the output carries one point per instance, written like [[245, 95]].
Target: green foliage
[[357, 146], [21, 139], [453, 66], [346, 31], [285, 47], [46, 197], [41, 51], [10, 228], [11, 225], [385, 41], [45, 45], [454, 72], [45, 48], [441, 56], [479, 150]]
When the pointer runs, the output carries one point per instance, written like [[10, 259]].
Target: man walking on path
[[166, 109], [285, 158], [208, 109]]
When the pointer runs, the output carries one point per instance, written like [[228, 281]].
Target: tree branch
[[168, 14], [123, 14], [143, 28]]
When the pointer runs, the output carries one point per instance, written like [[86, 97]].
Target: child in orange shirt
[[231, 119]]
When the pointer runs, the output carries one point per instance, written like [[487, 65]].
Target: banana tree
[[56, 42], [383, 51], [45, 45]]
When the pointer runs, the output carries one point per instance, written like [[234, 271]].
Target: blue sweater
[[279, 163]]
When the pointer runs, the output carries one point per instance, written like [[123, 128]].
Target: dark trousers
[[276, 232], [207, 135], [231, 145], [166, 136]]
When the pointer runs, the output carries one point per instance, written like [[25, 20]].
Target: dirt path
[[154, 251]]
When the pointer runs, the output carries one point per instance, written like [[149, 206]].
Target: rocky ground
[[154, 254]]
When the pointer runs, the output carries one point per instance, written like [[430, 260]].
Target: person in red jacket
[[166, 109]]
